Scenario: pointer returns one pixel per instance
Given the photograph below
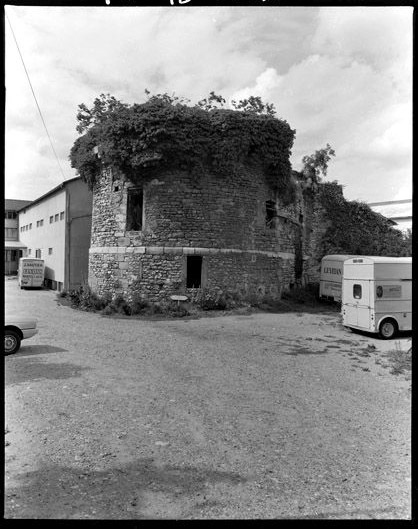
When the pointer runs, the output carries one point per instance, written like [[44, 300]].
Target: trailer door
[[363, 304], [356, 306], [349, 307]]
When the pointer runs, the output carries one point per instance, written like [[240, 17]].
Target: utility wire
[[34, 96]]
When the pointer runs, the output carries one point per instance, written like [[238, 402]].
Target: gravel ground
[[235, 416]]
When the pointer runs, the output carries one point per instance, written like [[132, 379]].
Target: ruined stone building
[[205, 204], [178, 234]]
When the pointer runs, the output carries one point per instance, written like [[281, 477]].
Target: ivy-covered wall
[[207, 175], [334, 225]]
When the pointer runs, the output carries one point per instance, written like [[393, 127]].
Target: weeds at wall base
[[298, 299]]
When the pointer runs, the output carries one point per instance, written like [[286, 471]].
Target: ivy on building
[[354, 228], [167, 133]]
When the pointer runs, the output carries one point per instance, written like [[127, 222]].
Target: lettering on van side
[[329, 270], [389, 291]]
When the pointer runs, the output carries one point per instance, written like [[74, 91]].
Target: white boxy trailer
[[377, 294], [330, 282], [31, 272]]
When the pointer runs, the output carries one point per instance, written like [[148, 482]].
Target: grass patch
[[399, 361]]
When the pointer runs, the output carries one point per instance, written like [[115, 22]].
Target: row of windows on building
[[10, 214], [39, 223], [10, 233], [38, 252]]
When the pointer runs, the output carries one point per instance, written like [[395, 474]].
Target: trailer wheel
[[388, 329]]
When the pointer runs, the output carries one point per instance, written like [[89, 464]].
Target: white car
[[17, 329]]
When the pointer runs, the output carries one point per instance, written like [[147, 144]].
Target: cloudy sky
[[338, 75]]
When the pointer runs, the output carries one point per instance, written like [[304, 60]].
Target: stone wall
[[315, 226], [222, 220]]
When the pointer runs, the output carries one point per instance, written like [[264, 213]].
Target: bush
[[108, 310], [302, 295], [138, 305], [120, 305]]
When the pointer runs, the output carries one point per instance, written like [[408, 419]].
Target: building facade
[[398, 211], [13, 247], [196, 236], [56, 228]]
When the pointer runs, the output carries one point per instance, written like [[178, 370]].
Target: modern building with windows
[[56, 227], [13, 247]]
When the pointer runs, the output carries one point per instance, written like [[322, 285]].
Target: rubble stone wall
[[222, 220]]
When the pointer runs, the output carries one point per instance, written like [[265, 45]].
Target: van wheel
[[11, 342], [388, 329]]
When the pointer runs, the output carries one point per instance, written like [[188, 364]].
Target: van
[[330, 283], [377, 294], [31, 272]]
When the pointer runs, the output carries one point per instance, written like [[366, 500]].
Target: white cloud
[[337, 75]]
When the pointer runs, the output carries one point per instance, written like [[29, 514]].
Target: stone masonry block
[[173, 250], [188, 251], [154, 250], [139, 249], [123, 241]]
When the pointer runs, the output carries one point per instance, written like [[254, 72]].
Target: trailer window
[[357, 291]]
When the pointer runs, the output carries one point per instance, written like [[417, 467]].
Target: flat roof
[[381, 259], [13, 245]]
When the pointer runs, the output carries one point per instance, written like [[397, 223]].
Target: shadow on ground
[[126, 492], [31, 350], [399, 335], [35, 369]]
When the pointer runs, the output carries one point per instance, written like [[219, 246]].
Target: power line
[[34, 96]]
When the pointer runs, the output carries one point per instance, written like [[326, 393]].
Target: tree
[[211, 102], [254, 104], [317, 163], [103, 106], [166, 98]]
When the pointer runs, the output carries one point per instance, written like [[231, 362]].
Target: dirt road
[[239, 416]]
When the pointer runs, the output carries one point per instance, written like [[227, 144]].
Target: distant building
[[56, 227], [13, 248], [398, 211]]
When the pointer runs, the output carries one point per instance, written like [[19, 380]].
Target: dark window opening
[[357, 291], [194, 271], [134, 210], [270, 213]]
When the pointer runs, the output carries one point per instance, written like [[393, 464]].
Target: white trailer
[[377, 294], [31, 272], [330, 282]]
